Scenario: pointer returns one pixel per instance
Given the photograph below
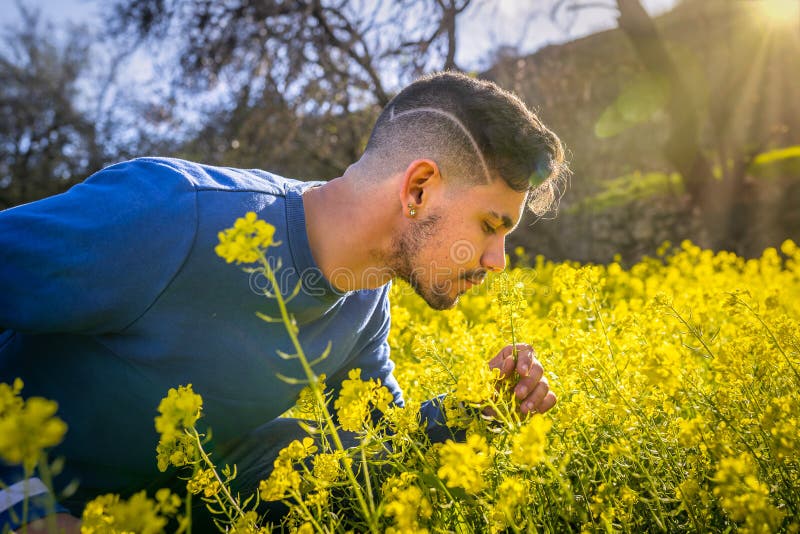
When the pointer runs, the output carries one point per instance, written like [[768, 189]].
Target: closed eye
[[488, 228]]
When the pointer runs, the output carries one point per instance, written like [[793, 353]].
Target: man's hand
[[532, 390], [64, 523]]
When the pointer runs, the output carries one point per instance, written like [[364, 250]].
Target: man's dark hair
[[475, 131]]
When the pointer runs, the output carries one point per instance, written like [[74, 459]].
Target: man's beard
[[403, 258]]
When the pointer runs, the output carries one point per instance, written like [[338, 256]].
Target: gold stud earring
[[411, 210]]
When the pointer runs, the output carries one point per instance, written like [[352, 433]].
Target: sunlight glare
[[780, 12]]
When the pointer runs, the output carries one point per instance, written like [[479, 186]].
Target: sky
[[510, 24]]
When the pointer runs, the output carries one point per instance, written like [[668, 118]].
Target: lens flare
[[780, 12]]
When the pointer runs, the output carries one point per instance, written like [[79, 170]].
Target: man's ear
[[422, 176]]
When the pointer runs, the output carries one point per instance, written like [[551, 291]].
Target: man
[[112, 293]]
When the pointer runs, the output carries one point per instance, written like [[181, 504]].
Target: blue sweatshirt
[[111, 293]]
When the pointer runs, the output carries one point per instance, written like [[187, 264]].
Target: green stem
[[188, 513], [47, 479], [513, 336], [222, 485], [772, 336], [605, 330], [367, 482], [299, 499], [692, 330], [319, 397], [424, 461], [25, 499]]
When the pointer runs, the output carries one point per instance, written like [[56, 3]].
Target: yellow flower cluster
[[404, 421], [284, 479], [353, 405], [328, 467], [476, 384], [530, 443], [744, 497], [678, 381], [406, 503], [679, 392], [27, 427], [109, 514], [204, 481], [248, 524], [512, 495], [247, 239], [178, 411], [464, 465]]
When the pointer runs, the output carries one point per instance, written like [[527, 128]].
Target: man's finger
[[528, 365], [534, 399], [505, 358], [529, 406], [548, 402], [527, 385]]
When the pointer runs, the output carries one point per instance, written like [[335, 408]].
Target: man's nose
[[494, 257]]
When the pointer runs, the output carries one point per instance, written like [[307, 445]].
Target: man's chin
[[440, 302], [437, 299], [441, 306]]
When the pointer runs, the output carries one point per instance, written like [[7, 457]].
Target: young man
[[112, 293]]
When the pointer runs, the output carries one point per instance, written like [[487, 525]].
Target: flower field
[[678, 384], [679, 399]]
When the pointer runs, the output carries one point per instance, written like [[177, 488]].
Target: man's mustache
[[475, 276]]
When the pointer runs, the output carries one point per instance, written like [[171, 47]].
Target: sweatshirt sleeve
[[93, 259], [375, 362], [374, 359]]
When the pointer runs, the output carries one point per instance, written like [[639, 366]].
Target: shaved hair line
[[454, 119]]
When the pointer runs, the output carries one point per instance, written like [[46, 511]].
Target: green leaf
[[642, 98]]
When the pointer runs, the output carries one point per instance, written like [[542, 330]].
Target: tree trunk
[[682, 148]]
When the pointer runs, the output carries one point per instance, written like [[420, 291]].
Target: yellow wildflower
[[528, 445], [406, 504], [108, 514], [327, 467], [404, 421], [789, 248], [463, 464], [297, 450], [10, 400], [477, 384], [178, 450], [284, 478], [743, 496], [245, 242], [168, 502], [27, 427], [179, 410], [248, 524], [203, 481], [353, 404]]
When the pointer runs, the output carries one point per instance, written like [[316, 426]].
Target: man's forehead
[[497, 201]]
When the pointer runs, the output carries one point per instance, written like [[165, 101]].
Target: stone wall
[[770, 214]]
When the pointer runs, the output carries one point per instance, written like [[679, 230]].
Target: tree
[[720, 117], [300, 74], [46, 142]]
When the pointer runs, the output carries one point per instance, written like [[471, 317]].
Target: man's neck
[[349, 229]]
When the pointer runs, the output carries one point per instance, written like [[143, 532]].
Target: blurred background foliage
[[681, 126]]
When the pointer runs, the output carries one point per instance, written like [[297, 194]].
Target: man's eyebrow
[[507, 222]]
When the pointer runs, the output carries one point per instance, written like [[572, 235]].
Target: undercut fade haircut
[[476, 132]]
